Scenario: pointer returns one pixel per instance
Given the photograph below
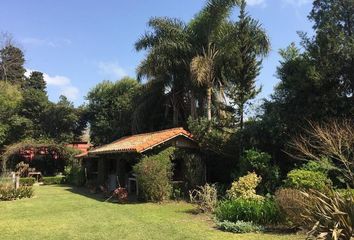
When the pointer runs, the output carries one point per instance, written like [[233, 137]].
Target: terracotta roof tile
[[141, 142]]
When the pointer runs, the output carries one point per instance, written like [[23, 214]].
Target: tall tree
[[35, 81], [61, 120], [171, 47], [12, 64], [203, 72], [110, 109], [248, 44]]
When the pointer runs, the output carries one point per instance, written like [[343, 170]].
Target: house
[[116, 160]]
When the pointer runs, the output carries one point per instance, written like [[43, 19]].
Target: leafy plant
[[154, 175], [239, 226], [332, 216], [305, 179], [206, 197], [8, 193], [259, 162], [249, 210], [245, 187]]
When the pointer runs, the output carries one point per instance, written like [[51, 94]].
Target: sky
[[79, 43]]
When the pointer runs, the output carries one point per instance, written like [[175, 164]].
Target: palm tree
[[203, 72], [171, 46]]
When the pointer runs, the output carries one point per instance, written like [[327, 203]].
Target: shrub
[[74, 175], [53, 180], [305, 179], [238, 227], [205, 197], [292, 203], [154, 175], [193, 168], [29, 181], [249, 210], [261, 163], [8, 193], [332, 217], [245, 187]]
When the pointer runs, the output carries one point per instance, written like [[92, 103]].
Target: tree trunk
[[209, 103]]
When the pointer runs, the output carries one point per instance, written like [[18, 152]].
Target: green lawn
[[56, 212]]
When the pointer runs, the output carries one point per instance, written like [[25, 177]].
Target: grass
[[60, 212]]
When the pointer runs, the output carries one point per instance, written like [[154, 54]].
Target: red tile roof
[[141, 142], [82, 146]]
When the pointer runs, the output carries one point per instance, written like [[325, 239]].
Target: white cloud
[[256, 2], [111, 70], [62, 84], [39, 42], [70, 92], [297, 3]]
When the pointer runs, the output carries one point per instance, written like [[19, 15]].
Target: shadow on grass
[[132, 199]]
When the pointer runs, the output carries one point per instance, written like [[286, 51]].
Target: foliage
[[53, 180], [324, 165], [248, 44], [27, 181], [193, 167], [292, 204], [203, 72], [8, 193], [154, 174], [44, 163], [249, 210], [205, 50], [109, 109], [74, 174], [333, 140], [35, 81], [332, 216], [206, 197], [211, 135], [10, 100], [66, 119], [259, 162], [305, 179], [238, 227], [11, 63], [245, 187]]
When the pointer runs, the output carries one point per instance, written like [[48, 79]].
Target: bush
[[74, 175], [8, 193], [53, 180], [249, 210], [205, 197], [292, 203], [245, 187], [305, 179], [332, 216], [261, 163], [29, 181], [154, 175], [238, 227]]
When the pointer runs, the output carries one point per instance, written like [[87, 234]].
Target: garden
[[188, 148]]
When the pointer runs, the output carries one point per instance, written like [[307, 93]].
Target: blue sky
[[79, 43]]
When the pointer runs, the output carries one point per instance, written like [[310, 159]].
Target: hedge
[[53, 180], [27, 181]]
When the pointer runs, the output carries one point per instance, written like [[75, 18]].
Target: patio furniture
[[37, 175]]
